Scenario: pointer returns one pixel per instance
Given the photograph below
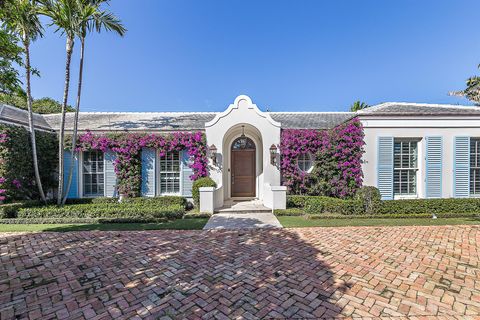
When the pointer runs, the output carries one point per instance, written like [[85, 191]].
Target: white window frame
[[417, 169], [159, 173], [80, 178], [310, 157]]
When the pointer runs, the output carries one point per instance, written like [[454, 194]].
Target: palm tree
[[64, 16], [358, 105], [22, 18], [90, 18], [472, 92]]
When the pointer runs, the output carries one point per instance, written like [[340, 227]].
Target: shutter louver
[[461, 167], [434, 152], [385, 167], [148, 172]]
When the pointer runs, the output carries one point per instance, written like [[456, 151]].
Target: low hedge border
[[79, 220], [318, 205], [289, 212], [119, 210], [195, 215]]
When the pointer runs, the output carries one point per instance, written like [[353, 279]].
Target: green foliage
[[43, 105], [297, 201], [289, 212], [358, 105], [10, 55], [200, 183], [370, 198], [117, 210], [9, 210], [160, 201], [430, 206], [196, 215], [321, 205], [472, 90], [324, 172], [16, 164]]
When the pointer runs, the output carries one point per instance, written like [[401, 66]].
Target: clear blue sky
[[307, 55]]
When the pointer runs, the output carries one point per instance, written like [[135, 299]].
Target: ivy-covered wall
[[337, 153], [17, 179], [128, 147]]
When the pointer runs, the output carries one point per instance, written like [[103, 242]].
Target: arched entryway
[[243, 167]]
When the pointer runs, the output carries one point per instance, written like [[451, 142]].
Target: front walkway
[[401, 272], [242, 221]]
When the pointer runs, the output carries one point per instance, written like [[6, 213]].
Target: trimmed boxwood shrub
[[200, 183], [289, 212], [158, 201], [297, 201], [370, 198], [9, 210], [128, 210], [320, 205], [430, 206]]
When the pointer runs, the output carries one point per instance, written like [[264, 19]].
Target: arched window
[[243, 143], [305, 162]]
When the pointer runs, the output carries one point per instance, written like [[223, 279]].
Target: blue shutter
[[385, 167], [433, 156], [148, 172], [461, 167], [73, 191], [110, 175], [186, 173]]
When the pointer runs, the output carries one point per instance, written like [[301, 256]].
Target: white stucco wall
[[260, 127], [417, 127]]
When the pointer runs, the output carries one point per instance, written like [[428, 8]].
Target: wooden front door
[[243, 168]]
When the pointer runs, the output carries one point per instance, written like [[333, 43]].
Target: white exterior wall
[[260, 127], [417, 127]]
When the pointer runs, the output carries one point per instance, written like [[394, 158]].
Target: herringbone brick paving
[[370, 272]]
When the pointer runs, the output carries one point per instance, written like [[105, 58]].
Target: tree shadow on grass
[[268, 273]]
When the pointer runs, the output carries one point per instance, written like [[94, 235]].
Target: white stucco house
[[412, 150]]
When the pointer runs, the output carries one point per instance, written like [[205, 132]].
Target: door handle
[[233, 179]]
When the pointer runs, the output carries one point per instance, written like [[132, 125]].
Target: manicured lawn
[[185, 224], [298, 222]]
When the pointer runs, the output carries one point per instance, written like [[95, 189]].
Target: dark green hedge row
[[469, 205], [79, 220], [158, 201], [325, 205], [117, 210]]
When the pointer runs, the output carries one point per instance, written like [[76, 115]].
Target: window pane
[[93, 176], [405, 162], [170, 173]]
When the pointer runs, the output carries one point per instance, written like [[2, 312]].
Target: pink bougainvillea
[[128, 148], [342, 145]]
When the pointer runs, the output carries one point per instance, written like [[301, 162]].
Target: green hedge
[[314, 205], [294, 201], [289, 212], [9, 210], [430, 206], [157, 201], [117, 210], [321, 205]]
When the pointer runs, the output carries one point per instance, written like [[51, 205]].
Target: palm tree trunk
[[75, 122], [30, 122], [61, 137]]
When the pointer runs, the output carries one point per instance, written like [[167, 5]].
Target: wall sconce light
[[273, 154], [213, 154]]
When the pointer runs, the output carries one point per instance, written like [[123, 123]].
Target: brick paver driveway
[[318, 272]]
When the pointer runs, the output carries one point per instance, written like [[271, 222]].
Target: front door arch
[[243, 167]]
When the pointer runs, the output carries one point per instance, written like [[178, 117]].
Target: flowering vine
[[128, 148], [337, 152]]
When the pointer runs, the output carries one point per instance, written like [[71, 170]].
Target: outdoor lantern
[[213, 154], [273, 154]]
